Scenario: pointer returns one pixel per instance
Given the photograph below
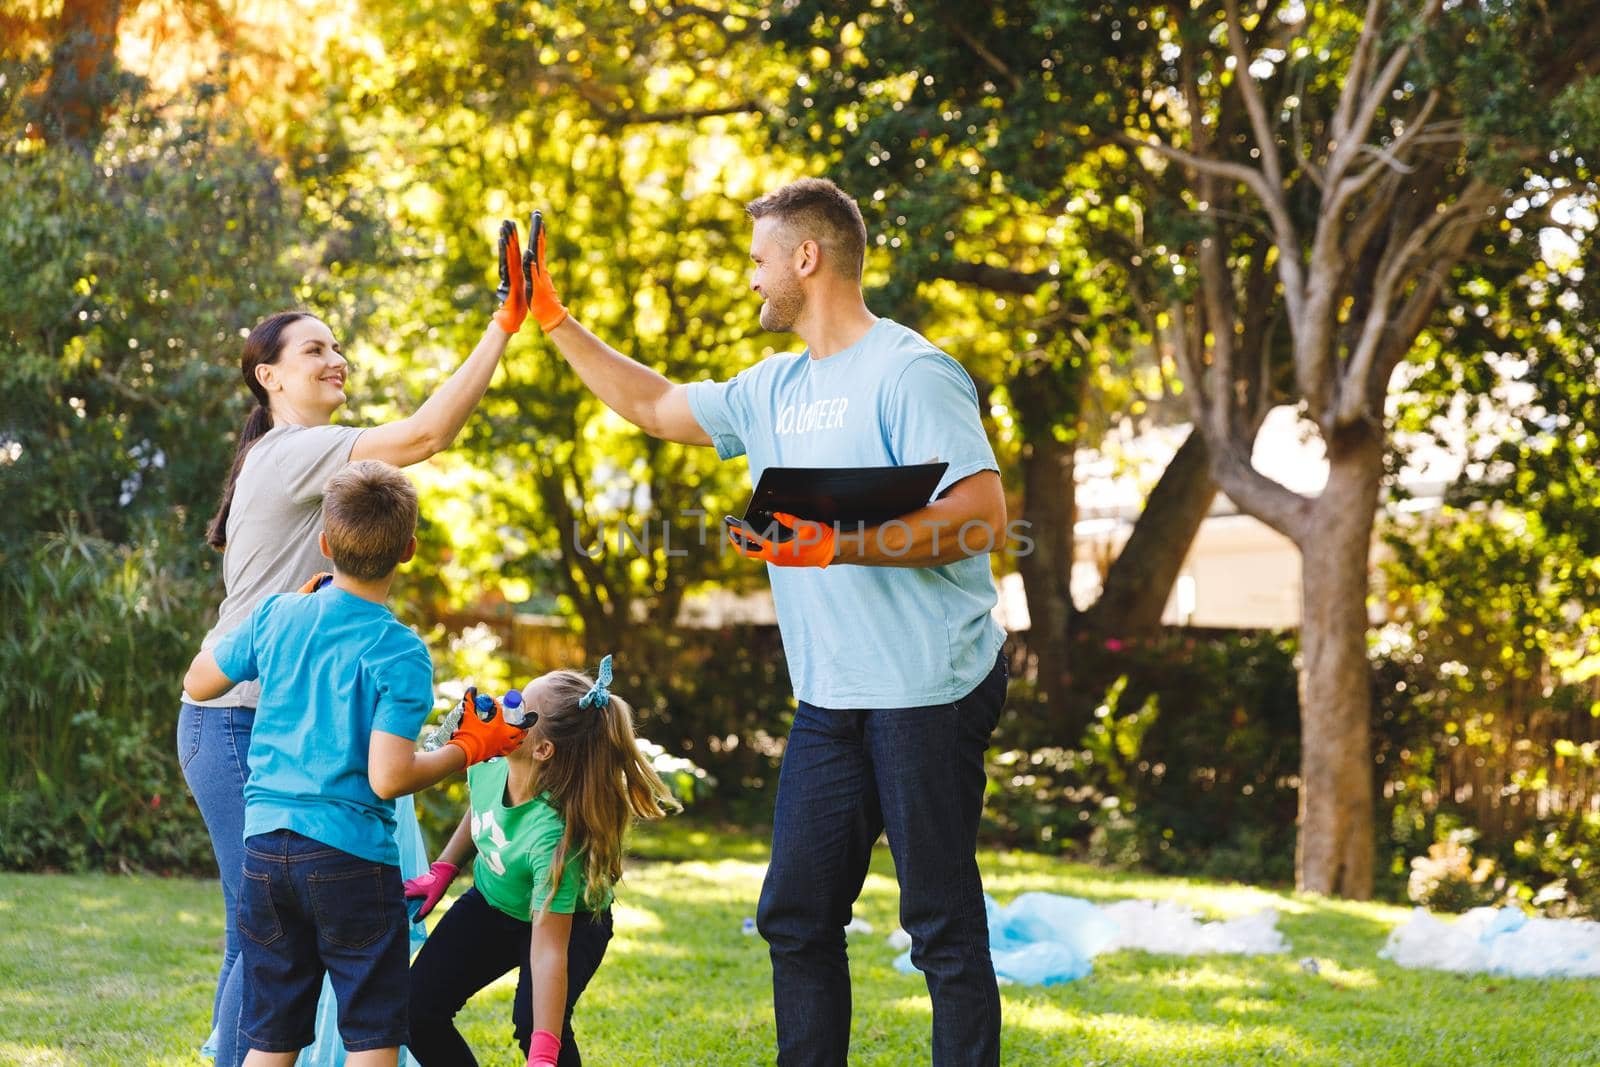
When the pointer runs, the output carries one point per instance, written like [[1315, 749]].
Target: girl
[[266, 527], [547, 822]]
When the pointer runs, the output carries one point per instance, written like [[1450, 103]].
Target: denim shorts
[[305, 910]]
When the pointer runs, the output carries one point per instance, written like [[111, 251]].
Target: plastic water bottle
[[439, 735], [516, 714], [483, 707]]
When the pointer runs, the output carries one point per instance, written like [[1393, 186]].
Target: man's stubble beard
[[782, 307]]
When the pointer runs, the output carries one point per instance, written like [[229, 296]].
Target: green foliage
[[727, 704], [1490, 673], [128, 269], [1001, 238], [1188, 766], [125, 276], [631, 132], [1555, 865], [686, 780], [97, 636], [1010, 226], [1476, 734]]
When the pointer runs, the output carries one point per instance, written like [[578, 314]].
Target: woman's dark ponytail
[[262, 346]]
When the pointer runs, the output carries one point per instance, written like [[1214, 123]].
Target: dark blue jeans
[[213, 746], [307, 910], [474, 944], [847, 776]]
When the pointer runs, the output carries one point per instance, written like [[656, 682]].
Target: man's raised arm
[[652, 402], [655, 404]]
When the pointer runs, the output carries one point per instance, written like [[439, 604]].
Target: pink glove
[[543, 1049], [431, 886]]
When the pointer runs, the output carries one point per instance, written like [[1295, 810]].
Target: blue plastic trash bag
[[328, 1050], [1041, 938]]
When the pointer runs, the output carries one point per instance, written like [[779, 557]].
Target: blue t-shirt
[[868, 637], [333, 668]]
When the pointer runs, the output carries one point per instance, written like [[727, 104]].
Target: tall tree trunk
[[1065, 644], [1049, 508], [1048, 400], [1141, 577], [1336, 848], [82, 64]]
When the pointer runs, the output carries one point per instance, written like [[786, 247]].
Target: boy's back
[[334, 667], [344, 690]]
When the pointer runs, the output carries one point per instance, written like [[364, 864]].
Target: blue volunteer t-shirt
[[333, 668], [868, 637]]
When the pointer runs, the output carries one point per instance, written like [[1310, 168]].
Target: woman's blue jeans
[[213, 749]]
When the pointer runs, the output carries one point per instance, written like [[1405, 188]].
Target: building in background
[[1240, 573]]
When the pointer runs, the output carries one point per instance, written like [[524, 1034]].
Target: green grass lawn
[[119, 970]]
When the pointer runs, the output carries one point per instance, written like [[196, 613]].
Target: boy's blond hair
[[369, 513]]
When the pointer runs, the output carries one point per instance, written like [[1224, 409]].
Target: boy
[[344, 690]]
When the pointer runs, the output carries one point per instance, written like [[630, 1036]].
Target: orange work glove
[[547, 309], [318, 580], [479, 740], [513, 292], [811, 545]]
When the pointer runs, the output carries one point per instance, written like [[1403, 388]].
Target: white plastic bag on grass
[[1497, 941]]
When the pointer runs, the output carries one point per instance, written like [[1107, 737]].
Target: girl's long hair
[[598, 780], [264, 345]]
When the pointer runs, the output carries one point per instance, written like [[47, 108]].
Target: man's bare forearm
[[943, 532], [624, 385]]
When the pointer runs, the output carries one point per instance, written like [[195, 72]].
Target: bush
[[125, 277], [1466, 741], [127, 269], [97, 639], [1190, 763], [722, 699]]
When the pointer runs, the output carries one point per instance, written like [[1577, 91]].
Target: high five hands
[[525, 281]]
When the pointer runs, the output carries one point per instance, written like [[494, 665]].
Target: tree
[[82, 80], [631, 131], [138, 236], [1494, 596], [1510, 383], [1309, 178], [127, 266], [1417, 155]]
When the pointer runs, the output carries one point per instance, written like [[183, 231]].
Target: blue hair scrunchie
[[598, 695]]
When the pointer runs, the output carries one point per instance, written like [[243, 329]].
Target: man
[[894, 657]]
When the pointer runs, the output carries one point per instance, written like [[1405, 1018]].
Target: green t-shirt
[[515, 845]]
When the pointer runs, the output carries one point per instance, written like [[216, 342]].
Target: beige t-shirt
[[273, 526]]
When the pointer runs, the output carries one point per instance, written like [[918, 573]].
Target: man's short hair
[[816, 208], [369, 512]]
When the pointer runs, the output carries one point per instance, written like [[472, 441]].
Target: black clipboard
[[849, 496]]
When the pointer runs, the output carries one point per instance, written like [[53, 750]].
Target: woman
[[267, 525]]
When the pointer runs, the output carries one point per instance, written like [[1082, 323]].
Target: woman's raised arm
[[433, 427]]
